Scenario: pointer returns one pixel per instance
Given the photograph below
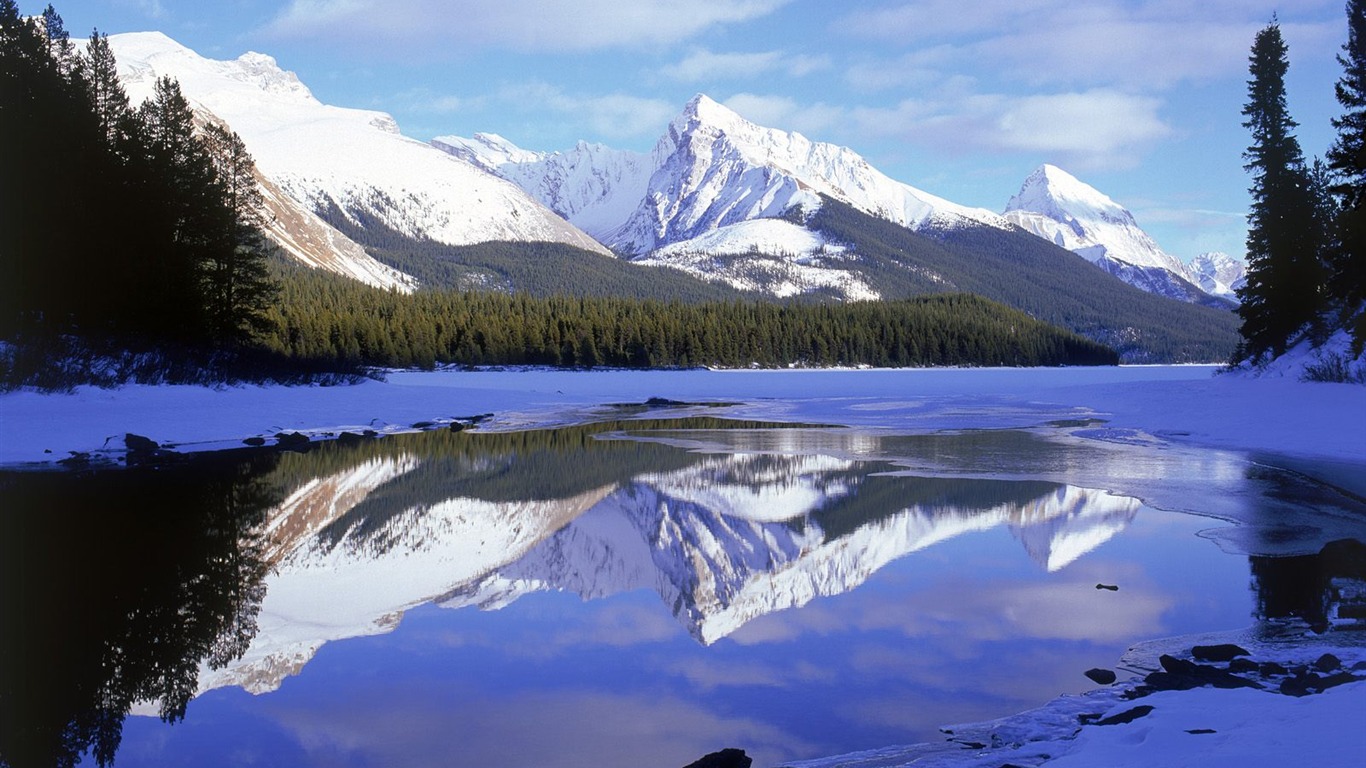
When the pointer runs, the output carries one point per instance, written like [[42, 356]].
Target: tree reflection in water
[[116, 585], [1322, 589]]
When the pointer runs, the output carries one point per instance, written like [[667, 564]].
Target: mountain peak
[[702, 110], [1057, 206], [1055, 193], [1219, 274]]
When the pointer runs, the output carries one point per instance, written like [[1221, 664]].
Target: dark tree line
[[1306, 242], [323, 316], [136, 223]]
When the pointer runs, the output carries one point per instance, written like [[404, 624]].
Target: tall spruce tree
[[181, 191], [238, 287], [1347, 162], [100, 74], [1285, 236]]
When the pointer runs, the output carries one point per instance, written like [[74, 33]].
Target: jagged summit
[[1051, 191], [1055, 205], [1219, 274]]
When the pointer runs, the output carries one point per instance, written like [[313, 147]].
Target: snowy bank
[[1313, 421], [1118, 726]]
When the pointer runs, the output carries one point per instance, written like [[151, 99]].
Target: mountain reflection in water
[[471, 519], [154, 584]]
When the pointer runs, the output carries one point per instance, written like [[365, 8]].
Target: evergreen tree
[[101, 77], [238, 286], [181, 191], [1347, 162], [1285, 238]]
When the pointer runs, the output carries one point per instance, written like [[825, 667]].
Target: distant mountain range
[[721, 200]]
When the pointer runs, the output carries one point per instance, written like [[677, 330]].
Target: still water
[[626, 593]]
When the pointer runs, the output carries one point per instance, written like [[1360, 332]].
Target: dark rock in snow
[[1178, 666], [1224, 652], [1111, 587], [255, 442], [726, 758], [1182, 675], [291, 440], [1328, 663], [1167, 681], [1101, 676], [1127, 716], [1198, 731], [1243, 665], [140, 444], [1332, 681], [1272, 668], [1297, 686]]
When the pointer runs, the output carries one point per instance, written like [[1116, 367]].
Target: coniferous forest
[[322, 316], [1306, 241]]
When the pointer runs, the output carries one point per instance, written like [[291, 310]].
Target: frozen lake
[[795, 576]]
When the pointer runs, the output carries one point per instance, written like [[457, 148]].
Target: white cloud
[[1086, 130], [785, 113], [528, 25], [702, 65], [614, 115], [1152, 45], [1099, 123], [152, 8]]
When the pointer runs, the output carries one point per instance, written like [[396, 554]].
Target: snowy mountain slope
[[1219, 274], [356, 160], [1057, 207], [771, 256], [305, 236], [592, 186]]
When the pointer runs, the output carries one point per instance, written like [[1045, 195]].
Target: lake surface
[[638, 591]]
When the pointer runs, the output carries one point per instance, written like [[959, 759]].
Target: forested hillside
[[322, 316], [1025, 272]]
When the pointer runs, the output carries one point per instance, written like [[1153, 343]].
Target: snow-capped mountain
[[710, 170], [723, 540], [708, 199], [592, 186], [1058, 207], [1219, 274], [353, 160], [713, 168]]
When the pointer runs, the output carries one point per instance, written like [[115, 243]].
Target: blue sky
[[962, 99]]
